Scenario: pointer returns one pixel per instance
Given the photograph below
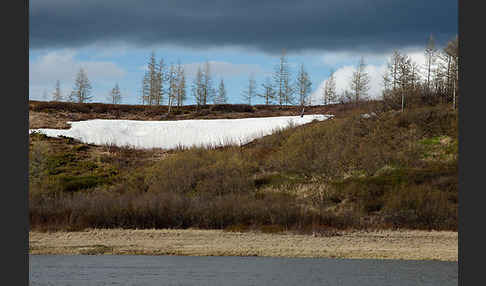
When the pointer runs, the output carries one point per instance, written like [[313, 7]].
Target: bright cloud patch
[[62, 65], [344, 74], [171, 134], [343, 78], [224, 68]]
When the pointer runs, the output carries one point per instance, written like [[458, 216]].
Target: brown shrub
[[203, 171], [420, 207]]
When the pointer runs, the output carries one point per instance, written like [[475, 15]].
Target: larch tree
[[303, 86], [430, 59], [281, 78], [415, 75], [269, 92], [160, 77], [145, 91], [390, 79], [181, 85], [360, 82], [405, 77], [82, 87], [172, 88], [152, 86], [221, 97], [115, 97], [198, 87], [329, 94], [148, 80], [57, 95], [452, 52], [289, 91], [250, 91], [405, 73], [152, 78], [401, 78], [207, 87]]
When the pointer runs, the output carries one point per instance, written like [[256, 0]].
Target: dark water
[[188, 270]]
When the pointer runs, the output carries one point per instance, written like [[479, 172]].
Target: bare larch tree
[[57, 95], [282, 82], [152, 86], [115, 97], [401, 78], [452, 52], [303, 86], [208, 89], [360, 82], [181, 85], [329, 94], [250, 91], [269, 92], [82, 87], [221, 97], [430, 59], [198, 87], [172, 88], [289, 91]]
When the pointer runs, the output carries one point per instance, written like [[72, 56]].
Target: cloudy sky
[[112, 39]]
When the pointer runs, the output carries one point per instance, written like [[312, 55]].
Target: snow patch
[[178, 133]]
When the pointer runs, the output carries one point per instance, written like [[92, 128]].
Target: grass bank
[[386, 171]]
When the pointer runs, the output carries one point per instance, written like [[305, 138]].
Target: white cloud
[[343, 78], [344, 73], [344, 57], [63, 66], [220, 69], [224, 69]]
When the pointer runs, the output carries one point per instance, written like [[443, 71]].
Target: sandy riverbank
[[409, 245]]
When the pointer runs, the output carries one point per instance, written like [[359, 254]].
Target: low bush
[[421, 207], [203, 171], [232, 108], [166, 210]]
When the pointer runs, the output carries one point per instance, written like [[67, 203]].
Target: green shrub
[[76, 183]]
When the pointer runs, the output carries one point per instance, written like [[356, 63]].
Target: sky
[[113, 39]]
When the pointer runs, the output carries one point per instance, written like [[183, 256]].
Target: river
[[192, 270]]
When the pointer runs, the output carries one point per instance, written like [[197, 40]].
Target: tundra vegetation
[[391, 170], [381, 164]]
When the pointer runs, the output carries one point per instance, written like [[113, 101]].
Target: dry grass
[[57, 114], [407, 244], [47, 120]]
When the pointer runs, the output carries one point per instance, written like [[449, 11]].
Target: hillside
[[55, 114], [389, 170]]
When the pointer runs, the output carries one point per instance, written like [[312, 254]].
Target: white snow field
[[178, 133]]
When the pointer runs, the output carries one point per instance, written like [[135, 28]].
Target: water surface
[[189, 270]]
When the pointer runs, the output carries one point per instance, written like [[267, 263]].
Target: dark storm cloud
[[365, 25]]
